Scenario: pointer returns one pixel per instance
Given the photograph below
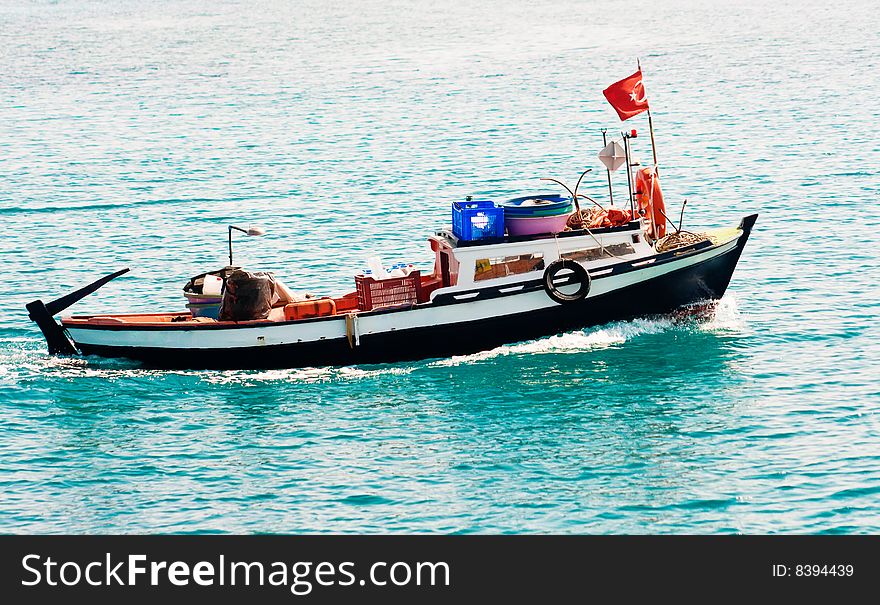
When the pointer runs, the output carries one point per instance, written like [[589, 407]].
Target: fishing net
[[595, 218]]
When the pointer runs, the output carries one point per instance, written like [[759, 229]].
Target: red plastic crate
[[391, 292]]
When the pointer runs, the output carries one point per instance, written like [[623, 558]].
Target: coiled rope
[[679, 239]]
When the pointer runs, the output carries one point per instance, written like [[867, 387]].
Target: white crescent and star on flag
[[634, 95]]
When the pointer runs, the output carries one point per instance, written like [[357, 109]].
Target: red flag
[[628, 97]]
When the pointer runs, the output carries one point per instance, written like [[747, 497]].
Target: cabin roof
[[455, 242]]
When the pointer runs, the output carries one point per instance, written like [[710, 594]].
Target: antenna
[[607, 170]]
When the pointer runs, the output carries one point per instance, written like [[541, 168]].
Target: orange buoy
[[650, 199]]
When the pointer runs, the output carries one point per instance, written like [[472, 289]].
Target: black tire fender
[[580, 276]]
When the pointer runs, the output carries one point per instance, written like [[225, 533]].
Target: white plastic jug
[[375, 265], [212, 286]]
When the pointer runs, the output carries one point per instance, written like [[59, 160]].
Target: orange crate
[[391, 292], [305, 309]]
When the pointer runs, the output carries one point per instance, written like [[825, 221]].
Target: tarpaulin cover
[[248, 296]]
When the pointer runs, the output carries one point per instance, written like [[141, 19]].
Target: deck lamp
[[252, 231]]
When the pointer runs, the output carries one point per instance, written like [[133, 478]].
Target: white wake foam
[[571, 342], [305, 375], [722, 316]]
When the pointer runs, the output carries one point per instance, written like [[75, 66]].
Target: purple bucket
[[537, 225]]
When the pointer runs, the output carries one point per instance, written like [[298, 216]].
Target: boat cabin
[[470, 264]]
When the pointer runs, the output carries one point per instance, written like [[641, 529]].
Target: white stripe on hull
[[292, 333]]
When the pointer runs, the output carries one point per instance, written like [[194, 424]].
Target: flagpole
[[650, 122], [653, 145], [656, 172]]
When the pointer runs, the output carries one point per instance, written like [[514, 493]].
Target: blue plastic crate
[[477, 220]]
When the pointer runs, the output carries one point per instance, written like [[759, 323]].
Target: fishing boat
[[556, 266], [480, 294]]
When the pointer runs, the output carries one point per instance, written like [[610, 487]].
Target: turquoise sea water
[[132, 133]]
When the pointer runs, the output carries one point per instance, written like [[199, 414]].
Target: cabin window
[[502, 266], [597, 253]]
